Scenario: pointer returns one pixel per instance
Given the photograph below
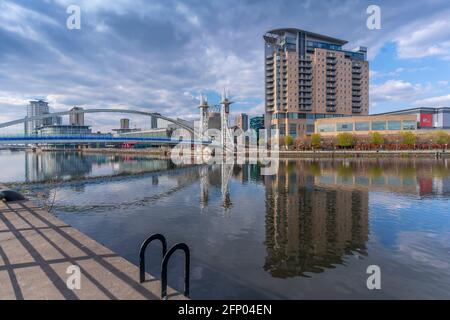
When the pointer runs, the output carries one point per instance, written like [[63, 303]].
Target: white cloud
[[439, 101], [431, 39], [396, 90]]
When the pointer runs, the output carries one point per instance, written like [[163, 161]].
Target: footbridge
[[156, 115], [95, 138]]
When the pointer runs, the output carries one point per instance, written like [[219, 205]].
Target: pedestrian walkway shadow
[[36, 250]]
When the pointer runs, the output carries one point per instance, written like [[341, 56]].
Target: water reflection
[[249, 232], [311, 228], [56, 166]]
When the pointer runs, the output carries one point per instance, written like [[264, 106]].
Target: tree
[[441, 137], [409, 138], [288, 141], [376, 138], [316, 140], [345, 139]]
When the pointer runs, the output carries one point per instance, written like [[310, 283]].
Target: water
[[310, 231]]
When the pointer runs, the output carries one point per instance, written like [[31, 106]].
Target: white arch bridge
[[93, 138]]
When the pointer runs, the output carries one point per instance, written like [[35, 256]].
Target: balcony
[[332, 98], [356, 105], [305, 89], [356, 77], [269, 80], [331, 104], [331, 85], [331, 91], [305, 107], [356, 110], [356, 83], [331, 74], [331, 109], [305, 96], [305, 65], [331, 79], [305, 77], [304, 71]]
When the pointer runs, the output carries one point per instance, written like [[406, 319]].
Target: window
[[326, 127], [282, 129], [394, 125], [409, 125], [378, 125], [344, 126], [293, 129], [310, 128], [362, 126]]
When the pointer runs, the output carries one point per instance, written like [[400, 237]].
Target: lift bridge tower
[[226, 136], [204, 109]]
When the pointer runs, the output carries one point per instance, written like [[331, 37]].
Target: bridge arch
[[126, 111]]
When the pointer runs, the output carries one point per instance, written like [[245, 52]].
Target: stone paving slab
[[36, 248]]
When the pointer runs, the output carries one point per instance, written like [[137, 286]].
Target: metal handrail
[[187, 266], [144, 245]]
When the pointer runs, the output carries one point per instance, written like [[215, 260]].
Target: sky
[[160, 55]]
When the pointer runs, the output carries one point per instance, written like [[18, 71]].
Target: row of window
[[293, 129], [311, 116], [368, 126]]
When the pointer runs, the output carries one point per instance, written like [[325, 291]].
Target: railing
[[90, 138], [166, 257]]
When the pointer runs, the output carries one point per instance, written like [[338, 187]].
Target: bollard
[[7, 195]]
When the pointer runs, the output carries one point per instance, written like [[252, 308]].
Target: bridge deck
[[36, 248]]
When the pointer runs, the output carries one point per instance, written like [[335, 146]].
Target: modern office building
[[63, 130], [76, 119], [241, 121], [310, 76], [421, 120], [257, 123], [427, 118]]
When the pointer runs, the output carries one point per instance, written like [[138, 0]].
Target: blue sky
[[160, 55]]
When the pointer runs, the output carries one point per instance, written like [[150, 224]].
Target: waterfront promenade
[[36, 248]]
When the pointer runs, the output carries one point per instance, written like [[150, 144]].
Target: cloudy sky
[[160, 55]]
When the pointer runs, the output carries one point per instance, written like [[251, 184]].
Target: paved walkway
[[36, 248]]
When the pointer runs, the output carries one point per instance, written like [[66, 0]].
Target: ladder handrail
[[144, 245], [167, 256]]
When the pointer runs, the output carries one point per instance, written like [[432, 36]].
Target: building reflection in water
[[311, 228], [57, 166]]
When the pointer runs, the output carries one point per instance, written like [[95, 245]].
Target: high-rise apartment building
[[241, 121], [310, 76], [36, 108], [76, 119], [124, 124]]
